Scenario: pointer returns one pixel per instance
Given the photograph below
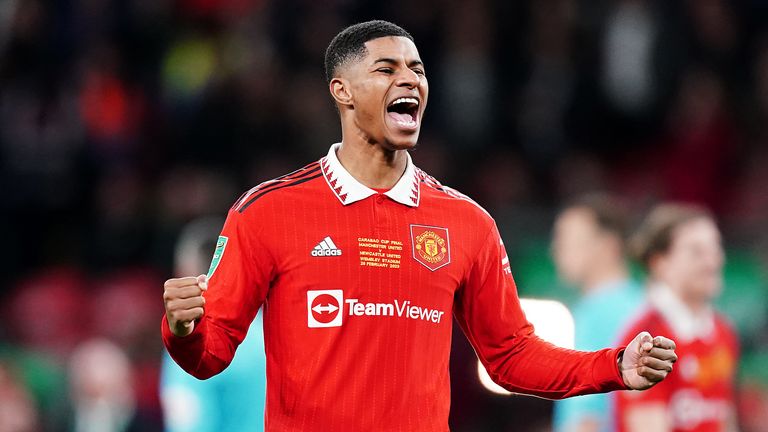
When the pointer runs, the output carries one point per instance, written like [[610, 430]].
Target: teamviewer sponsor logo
[[324, 308], [326, 247]]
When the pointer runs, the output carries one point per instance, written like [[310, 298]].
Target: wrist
[[180, 329], [620, 366]]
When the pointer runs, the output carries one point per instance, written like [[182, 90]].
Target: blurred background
[[123, 120]]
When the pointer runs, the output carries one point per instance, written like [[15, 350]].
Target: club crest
[[430, 246]]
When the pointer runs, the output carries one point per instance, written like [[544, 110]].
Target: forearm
[[204, 353], [539, 368]]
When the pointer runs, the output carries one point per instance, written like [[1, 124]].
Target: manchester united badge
[[430, 246]]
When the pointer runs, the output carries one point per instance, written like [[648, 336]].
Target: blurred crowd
[[123, 120]]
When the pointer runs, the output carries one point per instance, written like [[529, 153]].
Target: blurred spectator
[[41, 313], [110, 109], [101, 388], [189, 69], [123, 309], [547, 94], [696, 156], [119, 233], [233, 400], [680, 246], [628, 65], [589, 252], [468, 75], [17, 410]]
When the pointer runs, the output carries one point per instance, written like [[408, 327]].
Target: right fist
[[183, 298]]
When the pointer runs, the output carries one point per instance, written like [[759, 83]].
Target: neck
[[695, 304], [371, 164], [604, 275]]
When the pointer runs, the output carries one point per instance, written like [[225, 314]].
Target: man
[[589, 253], [680, 247], [359, 261], [233, 401]]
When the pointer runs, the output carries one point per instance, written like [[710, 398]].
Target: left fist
[[647, 360]]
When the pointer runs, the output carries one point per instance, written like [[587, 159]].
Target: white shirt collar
[[348, 190], [687, 325]]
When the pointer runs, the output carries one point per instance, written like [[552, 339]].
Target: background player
[[681, 249], [589, 252], [232, 401], [338, 355]]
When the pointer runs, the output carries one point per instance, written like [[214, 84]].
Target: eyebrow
[[394, 62]]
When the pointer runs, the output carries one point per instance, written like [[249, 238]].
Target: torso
[[699, 393]]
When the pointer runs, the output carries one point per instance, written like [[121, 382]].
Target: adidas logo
[[326, 248]]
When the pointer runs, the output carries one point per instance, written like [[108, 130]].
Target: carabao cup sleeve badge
[[221, 244], [430, 246]]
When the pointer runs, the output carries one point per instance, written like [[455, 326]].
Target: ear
[[340, 91]]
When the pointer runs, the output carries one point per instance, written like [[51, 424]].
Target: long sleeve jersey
[[358, 289]]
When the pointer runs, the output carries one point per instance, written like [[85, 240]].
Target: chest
[[707, 366], [374, 258]]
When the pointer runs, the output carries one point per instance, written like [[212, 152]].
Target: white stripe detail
[[330, 243]]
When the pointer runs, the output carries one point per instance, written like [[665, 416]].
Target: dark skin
[[373, 145], [373, 150]]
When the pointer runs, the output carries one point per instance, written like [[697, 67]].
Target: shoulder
[[726, 328], [435, 193], [263, 194], [622, 299]]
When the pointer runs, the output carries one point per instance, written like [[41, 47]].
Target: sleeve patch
[[221, 245]]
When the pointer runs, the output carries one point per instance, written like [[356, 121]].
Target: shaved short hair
[[349, 44]]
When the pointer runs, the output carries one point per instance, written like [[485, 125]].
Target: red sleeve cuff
[[175, 344], [606, 374]]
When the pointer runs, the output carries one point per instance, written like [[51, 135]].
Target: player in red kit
[[680, 247], [360, 261]]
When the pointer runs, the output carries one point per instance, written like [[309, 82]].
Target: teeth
[[405, 100]]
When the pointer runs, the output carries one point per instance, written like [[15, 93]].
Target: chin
[[710, 290], [402, 143]]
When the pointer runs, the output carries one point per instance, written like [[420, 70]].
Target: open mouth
[[404, 112]]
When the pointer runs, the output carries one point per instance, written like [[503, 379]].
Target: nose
[[407, 78]]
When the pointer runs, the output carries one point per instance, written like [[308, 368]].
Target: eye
[[385, 70], [418, 72]]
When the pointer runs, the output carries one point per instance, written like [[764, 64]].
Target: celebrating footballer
[[360, 259]]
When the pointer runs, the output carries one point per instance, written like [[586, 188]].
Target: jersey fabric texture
[[232, 401], [358, 331], [699, 395], [600, 317]]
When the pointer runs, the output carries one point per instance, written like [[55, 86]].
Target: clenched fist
[[647, 360], [184, 302]]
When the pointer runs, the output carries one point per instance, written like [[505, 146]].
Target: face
[[385, 93], [694, 263], [575, 242]]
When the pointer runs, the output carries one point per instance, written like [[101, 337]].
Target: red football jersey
[[358, 290], [699, 394]]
